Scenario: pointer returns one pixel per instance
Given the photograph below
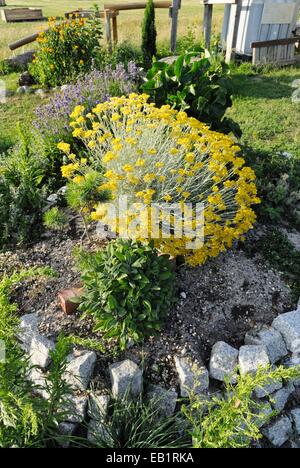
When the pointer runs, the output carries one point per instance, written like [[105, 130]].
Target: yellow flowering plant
[[157, 156], [67, 49]]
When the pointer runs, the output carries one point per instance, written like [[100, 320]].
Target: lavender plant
[[52, 119]]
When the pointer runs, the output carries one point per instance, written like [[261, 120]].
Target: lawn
[[191, 16], [262, 102]]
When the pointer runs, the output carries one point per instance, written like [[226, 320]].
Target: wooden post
[[235, 13], [108, 29], [2, 3], [174, 16], [115, 28], [207, 23]]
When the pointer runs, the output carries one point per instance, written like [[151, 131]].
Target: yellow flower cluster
[[158, 156]]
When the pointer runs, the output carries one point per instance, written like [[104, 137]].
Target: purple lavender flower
[[52, 119]]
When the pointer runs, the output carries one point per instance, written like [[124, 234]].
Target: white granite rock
[[271, 339], [289, 326], [126, 379], [192, 376], [279, 431], [251, 358], [223, 362], [295, 414], [165, 400], [98, 406], [80, 369]]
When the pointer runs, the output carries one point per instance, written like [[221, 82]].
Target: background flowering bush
[[67, 49], [160, 155], [52, 119]]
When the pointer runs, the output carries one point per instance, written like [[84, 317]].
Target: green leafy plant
[[123, 53], [66, 50], [23, 187], [83, 193], [233, 420], [27, 420], [197, 82], [138, 424], [55, 219], [128, 289], [149, 34]]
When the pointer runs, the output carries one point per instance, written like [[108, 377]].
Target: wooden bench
[[277, 52], [14, 15]]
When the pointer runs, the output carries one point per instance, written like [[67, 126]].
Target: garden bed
[[222, 300]]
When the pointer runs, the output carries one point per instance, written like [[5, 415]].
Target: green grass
[[264, 109], [16, 109], [129, 22], [262, 106]]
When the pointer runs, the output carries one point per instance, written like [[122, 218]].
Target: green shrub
[[138, 424], [128, 289], [55, 219], [149, 34], [233, 420], [124, 53], [27, 420], [278, 183], [66, 50], [201, 87], [24, 175]]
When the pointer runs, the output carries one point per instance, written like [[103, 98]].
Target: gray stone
[[98, 406], [26, 79], [192, 376], [52, 199], [25, 90], [280, 398], [76, 408], [66, 430], [5, 93], [65, 87], [264, 414], [37, 346], [223, 362], [22, 59], [39, 350], [165, 400], [278, 432], [38, 379], [294, 361], [126, 379], [295, 414], [289, 326], [28, 323], [251, 358], [268, 389], [98, 434], [80, 369], [272, 340], [41, 93]]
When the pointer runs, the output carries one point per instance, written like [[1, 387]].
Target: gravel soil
[[221, 300]]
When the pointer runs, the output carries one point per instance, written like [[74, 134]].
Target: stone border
[[271, 345]]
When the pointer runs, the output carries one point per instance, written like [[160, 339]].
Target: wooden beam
[[174, 17], [219, 2], [25, 40], [135, 6], [207, 23], [275, 42]]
